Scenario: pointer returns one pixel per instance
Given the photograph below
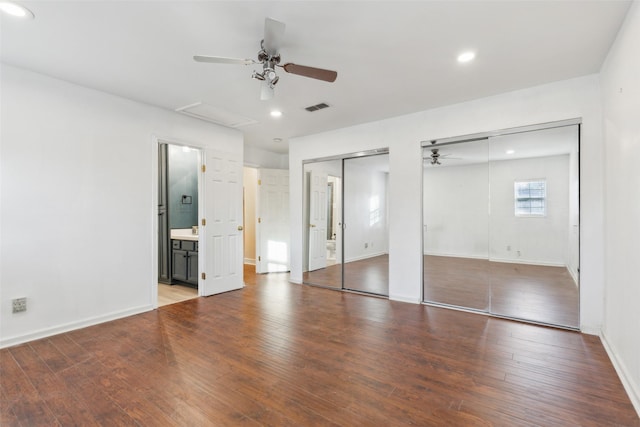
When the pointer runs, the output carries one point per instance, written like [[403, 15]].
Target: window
[[530, 198]]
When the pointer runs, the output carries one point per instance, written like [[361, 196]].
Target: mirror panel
[[455, 225], [366, 230], [534, 226], [501, 229]]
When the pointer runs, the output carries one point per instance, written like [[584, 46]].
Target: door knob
[[312, 225], [240, 228]]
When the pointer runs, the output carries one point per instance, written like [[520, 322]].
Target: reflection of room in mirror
[[364, 233], [501, 226]]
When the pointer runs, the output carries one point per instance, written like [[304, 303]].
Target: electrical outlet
[[508, 248], [366, 245], [19, 304]]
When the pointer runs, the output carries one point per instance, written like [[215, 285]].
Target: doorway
[[178, 212]]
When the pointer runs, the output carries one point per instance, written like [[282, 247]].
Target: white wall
[[77, 219], [256, 157], [552, 102], [362, 238], [532, 240], [455, 211], [621, 100], [459, 224]]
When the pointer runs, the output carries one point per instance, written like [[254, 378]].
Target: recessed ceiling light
[[510, 151], [466, 56], [16, 10], [277, 139], [276, 113]]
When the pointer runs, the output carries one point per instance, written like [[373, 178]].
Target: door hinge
[[259, 182], [204, 168], [203, 275], [204, 221], [259, 258], [259, 220]]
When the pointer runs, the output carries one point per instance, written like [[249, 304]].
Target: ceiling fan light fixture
[[467, 56], [16, 10], [257, 76]]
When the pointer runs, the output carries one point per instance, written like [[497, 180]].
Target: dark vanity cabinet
[[185, 261]]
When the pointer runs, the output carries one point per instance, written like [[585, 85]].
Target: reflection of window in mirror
[[530, 197]]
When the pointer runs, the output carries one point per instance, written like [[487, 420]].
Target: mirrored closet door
[[346, 223], [501, 224], [366, 229]]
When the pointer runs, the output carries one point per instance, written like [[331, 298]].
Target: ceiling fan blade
[[223, 60], [273, 36], [314, 73], [266, 91]]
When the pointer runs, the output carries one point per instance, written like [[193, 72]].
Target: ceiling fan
[[269, 57], [435, 157]]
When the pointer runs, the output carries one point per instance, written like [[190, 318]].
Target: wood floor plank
[[279, 354]]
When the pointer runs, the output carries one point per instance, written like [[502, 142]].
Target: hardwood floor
[[281, 354], [170, 294]]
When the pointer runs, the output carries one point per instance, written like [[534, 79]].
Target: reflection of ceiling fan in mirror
[[269, 57], [435, 157]]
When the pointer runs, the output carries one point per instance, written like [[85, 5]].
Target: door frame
[[155, 148]]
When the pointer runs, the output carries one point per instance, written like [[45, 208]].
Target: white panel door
[[317, 220], [272, 230], [223, 229]]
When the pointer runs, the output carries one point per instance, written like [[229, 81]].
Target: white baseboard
[[456, 255], [574, 276], [47, 332], [631, 387], [365, 256], [505, 260], [404, 298], [528, 262], [250, 261], [591, 330]]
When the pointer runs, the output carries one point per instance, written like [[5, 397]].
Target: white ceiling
[[392, 57]]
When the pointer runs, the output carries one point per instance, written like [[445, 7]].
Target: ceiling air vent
[[216, 115], [317, 107]]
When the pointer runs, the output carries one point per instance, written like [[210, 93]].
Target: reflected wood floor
[[281, 354], [531, 292], [365, 275]]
